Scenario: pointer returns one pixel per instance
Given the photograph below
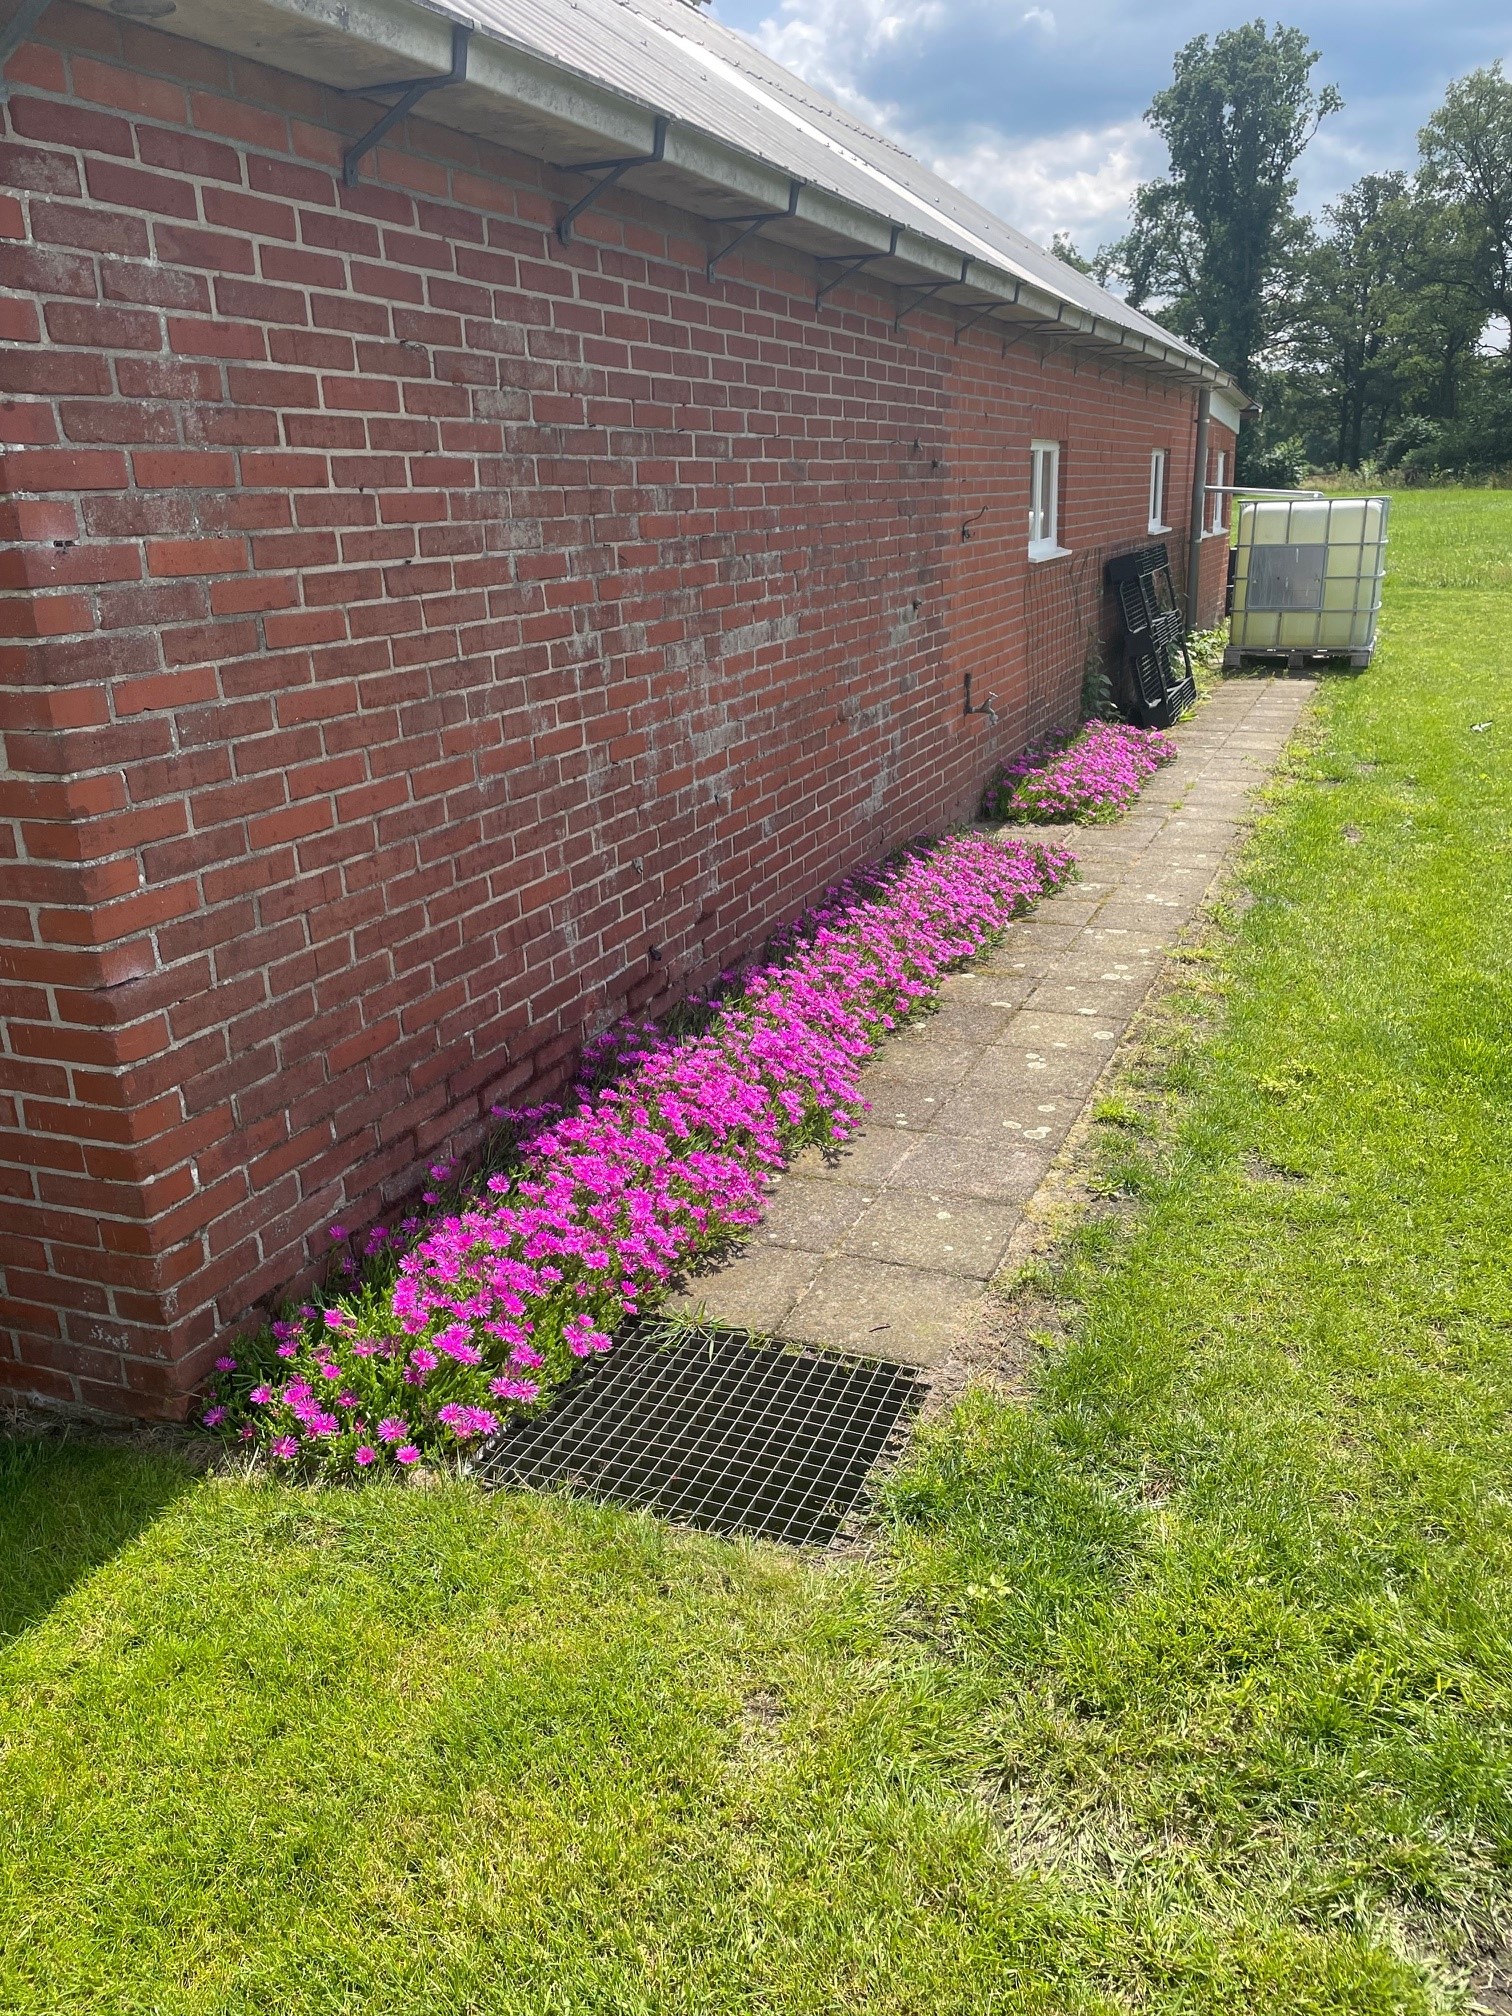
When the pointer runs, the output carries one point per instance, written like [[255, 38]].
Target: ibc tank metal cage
[[1306, 576]]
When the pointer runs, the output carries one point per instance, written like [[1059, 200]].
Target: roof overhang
[[518, 98]]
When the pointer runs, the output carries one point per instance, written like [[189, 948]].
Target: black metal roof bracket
[[923, 294], [411, 90], [608, 172], [753, 221], [1034, 331], [981, 315], [852, 262]]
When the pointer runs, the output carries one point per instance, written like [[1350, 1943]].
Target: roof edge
[[553, 112]]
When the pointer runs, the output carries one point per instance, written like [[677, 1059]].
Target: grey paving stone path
[[887, 1247]]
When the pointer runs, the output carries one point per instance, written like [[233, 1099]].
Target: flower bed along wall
[[1093, 776], [494, 1302]]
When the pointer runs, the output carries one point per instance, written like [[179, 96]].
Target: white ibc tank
[[1308, 573]]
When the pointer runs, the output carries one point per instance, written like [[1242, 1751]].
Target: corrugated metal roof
[[673, 59]]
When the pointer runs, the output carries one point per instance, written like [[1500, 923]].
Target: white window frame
[[1218, 506], [1044, 501], [1159, 469]]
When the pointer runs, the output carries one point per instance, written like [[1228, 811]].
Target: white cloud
[[828, 42], [1079, 182]]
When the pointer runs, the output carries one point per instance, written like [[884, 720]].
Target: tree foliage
[[1212, 239], [1362, 332], [1467, 163]]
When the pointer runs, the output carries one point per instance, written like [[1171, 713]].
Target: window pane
[[1044, 478]]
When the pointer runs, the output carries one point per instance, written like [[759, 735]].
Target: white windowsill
[[1216, 532], [1046, 549], [1157, 528]]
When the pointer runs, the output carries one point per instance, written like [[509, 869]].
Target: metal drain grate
[[714, 1428]]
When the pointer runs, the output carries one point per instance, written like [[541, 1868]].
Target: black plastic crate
[[1157, 683]]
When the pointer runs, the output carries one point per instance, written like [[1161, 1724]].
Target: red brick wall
[[423, 643]]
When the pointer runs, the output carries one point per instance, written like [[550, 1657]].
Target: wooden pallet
[[1236, 655]]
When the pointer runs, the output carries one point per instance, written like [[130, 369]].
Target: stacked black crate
[[1157, 685]]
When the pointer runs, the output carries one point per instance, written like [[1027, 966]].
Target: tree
[[1351, 307], [1467, 162], [1212, 243], [1063, 245]]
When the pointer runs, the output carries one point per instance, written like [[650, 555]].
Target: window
[[1157, 491], [1044, 500], [1219, 517]]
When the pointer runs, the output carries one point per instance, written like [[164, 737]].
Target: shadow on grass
[[65, 1509]]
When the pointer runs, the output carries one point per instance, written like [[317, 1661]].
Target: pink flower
[[285, 1447], [392, 1430], [513, 1389], [225, 1364], [330, 1371], [260, 1395], [424, 1360], [465, 1422], [364, 1455], [456, 1341], [583, 1338], [336, 1319], [213, 1416], [408, 1454], [338, 1231], [288, 1350], [246, 1432]]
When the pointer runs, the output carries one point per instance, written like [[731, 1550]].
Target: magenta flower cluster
[[1094, 775], [494, 1304]]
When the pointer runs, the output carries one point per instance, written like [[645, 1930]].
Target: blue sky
[[1035, 106]]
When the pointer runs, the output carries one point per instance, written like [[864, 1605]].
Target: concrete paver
[[886, 1246]]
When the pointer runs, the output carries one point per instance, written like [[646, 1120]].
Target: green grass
[[1184, 1688]]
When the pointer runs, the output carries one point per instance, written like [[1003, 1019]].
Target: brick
[[134, 189], [196, 556], [38, 168], [257, 216], [64, 469], [182, 469], [85, 323], [64, 125], [88, 230], [19, 323], [127, 90], [219, 251], [188, 154]]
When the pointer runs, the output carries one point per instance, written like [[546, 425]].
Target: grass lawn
[[1185, 1686]]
